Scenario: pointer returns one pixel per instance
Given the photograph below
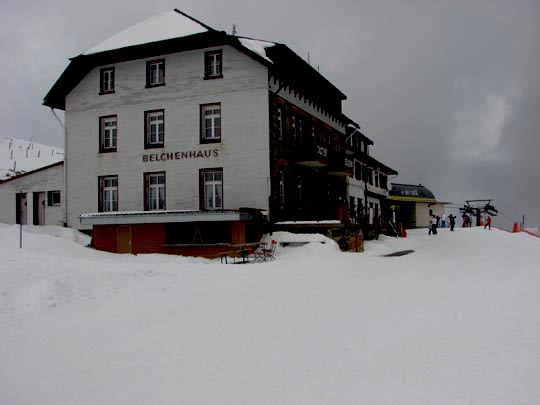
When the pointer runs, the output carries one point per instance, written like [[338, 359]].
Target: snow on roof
[[258, 46], [19, 156], [168, 25]]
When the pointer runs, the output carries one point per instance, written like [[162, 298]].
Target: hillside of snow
[[454, 322], [19, 156]]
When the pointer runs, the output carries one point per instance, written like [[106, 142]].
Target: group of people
[[441, 220], [467, 222]]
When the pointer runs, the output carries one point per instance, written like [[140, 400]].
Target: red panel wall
[[104, 237]]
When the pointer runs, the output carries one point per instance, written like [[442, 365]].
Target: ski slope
[[455, 322], [18, 156]]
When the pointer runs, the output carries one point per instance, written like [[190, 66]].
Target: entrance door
[[21, 209], [39, 208], [123, 238]]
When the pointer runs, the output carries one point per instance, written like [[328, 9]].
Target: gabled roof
[[32, 172], [175, 31], [168, 25]]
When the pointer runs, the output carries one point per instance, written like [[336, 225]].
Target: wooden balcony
[[311, 155]]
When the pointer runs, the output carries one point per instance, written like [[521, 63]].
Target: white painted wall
[[243, 152], [41, 181], [422, 213]]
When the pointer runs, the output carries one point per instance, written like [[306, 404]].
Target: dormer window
[[106, 80], [155, 73], [213, 64]]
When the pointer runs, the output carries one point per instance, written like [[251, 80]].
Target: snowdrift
[[454, 322]]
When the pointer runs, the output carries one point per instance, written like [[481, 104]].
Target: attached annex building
[[414, 205], [33, 197], [183, 139]]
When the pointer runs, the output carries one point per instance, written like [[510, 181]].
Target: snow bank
[[455, 322]]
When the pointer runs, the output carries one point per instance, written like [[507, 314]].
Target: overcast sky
[[449, 91]]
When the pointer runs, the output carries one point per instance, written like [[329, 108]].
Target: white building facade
[[172, 127], [173, 133], [34, 198]]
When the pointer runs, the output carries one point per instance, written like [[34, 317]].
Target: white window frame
[[212, 189], [282, 188], [109, 132], [155, 127], [109, 196], [280, 123], [156, 191], [107, 80], [213, 60], [54, 198], [211, 122], [156, 73]]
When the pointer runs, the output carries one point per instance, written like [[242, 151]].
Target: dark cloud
[[448, 90]]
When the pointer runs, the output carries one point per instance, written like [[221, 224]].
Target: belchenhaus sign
[[191, 154]]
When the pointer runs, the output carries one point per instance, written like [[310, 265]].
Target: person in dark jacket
[[452, 220]]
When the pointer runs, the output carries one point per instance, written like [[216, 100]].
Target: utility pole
[[20, 219]]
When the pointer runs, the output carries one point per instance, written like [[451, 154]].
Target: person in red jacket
[[488, 223]]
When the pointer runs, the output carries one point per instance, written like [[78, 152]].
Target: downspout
[[65, 166]]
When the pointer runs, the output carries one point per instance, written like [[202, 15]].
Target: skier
[[434, 221], [452, 220], [488, 223]]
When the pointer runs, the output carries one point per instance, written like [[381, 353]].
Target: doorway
[[20, 208], [123, 239], [38, 205]]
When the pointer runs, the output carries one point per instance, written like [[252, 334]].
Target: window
[[282, 188], [212, 189], [53, 198], [293, 127], [280, 123], [107, 133], [154, 130], [155, 73], [108, 193], [213, 64], [299, 189], [154, 191], [210, 123], [357, 170], [106, 80], [376, 176], [383, 181]]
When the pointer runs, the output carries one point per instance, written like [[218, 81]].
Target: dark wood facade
[[307, 159]]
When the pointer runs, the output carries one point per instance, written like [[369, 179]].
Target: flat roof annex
[[161, 217]]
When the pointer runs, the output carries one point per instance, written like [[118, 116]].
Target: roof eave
[[82, 64]]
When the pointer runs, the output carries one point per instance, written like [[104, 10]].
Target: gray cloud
[[448, 90]]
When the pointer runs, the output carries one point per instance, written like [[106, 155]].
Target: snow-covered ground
[[19, 156], [455, 322]]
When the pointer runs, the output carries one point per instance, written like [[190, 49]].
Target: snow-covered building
[[33, 197], [414, 204], [180, 136], [31, 183], [367, 180]]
